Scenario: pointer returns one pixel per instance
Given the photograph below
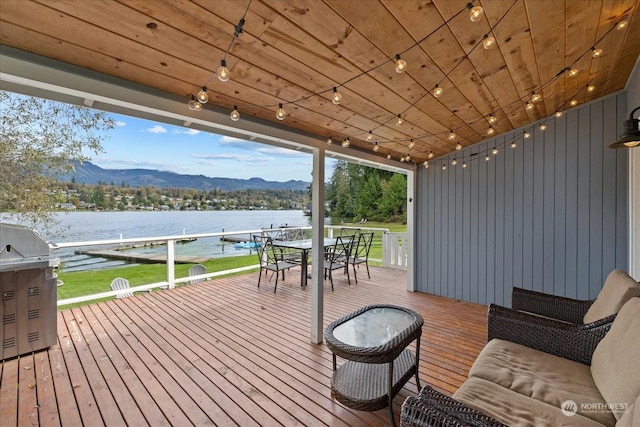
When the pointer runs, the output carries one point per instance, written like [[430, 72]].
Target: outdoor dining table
[[304, 246]]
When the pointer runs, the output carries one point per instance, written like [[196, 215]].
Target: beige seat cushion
[[617, 290], [515, 409], [614, 365], [631, 417], [540, 376]]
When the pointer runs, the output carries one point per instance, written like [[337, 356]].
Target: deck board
[[223, 352]]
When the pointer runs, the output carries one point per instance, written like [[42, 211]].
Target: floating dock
[[143, 258]]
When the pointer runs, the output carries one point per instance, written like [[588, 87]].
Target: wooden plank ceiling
[[295, 51]]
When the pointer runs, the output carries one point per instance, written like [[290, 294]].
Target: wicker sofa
[[535, 369]]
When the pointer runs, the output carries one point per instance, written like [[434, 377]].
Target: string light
[[376, 147], [596, 53], [492, 119], [389, 156], [329, 141], [402, 159], [558, 114], [444, 167], [408, 158], [235, 115], [573, 72], [401, 65], [411, 144], [454, 162], [475, 12], [487, 158], [491, 131], [591, 88], [536, 97], [280, 113], [437, 91], [458, 146], [337, 97], [430, 155], [488, 42], [513, 144], [346, 143], [425, 164], [494, 151], [526, 135], [622, 25], [400, 120], [543, 126], [202, 96], [452, 135], [464, 165], [223, 72], [573, 102], [192, 104], [528, 106], [370, 136]]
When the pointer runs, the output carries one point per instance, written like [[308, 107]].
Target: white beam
[[317, 251]]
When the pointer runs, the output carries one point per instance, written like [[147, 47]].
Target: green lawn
[[93, 282]]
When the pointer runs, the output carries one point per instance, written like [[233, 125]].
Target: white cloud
[[120, 123], [157, 129], [223, 156], [187, 132], [232, 140]]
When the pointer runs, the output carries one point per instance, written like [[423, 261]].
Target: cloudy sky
[[136, 143]]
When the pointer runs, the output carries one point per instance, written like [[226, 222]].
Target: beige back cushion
[[614, 365], [631, 417], [618, 289]]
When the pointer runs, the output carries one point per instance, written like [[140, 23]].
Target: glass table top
[[374, 327]]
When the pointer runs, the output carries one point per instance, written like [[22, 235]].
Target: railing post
[[171, 257], [386, 256]]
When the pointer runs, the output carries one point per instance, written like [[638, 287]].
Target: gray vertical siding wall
[[548, 215]]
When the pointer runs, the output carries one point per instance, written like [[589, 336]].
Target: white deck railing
[[390, 251]]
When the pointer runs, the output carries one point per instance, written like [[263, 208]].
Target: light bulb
[[573, 72], [444, 167], [526, 135], [454, 162], [198, 106], [536, 97], [543, 126], [376, 147], [192, 103], [494, 151], [426, 164], [235, 115], [223, 71], [591, 88], [412, 144], [346, 143], [437, 91], [329, 141], [573, 102], [487, 158], [492, 119], [488, 42], [475, 12], [402, 159], [558, 114], [458, 146], [528, 106], [408, 158], [464, 165], [622, 25], [389, 156], [596, 53], [491, 131], [336, 98], [430, 154], [202, 96], [401, 64], [280, 113], [400, 121], [452, 135], [370, 136], [513, 144]]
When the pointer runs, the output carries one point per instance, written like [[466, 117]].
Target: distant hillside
[[88, 173]]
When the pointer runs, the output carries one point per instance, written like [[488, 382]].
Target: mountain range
[[88, 173]]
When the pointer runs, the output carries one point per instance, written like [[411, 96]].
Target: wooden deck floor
[[222, 352]]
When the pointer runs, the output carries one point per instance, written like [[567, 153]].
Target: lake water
[[88, 226]]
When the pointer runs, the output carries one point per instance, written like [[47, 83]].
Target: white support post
[[411, 214], [171, 257], [317, 250]]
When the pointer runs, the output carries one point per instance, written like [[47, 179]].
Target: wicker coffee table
[[373, 341]]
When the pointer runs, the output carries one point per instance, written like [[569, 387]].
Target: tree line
[[357, 192]]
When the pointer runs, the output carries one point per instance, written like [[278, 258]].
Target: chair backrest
[[265, 249], [197, 270], [618, 288], [364, 245], [119, 284], [341, 250]]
